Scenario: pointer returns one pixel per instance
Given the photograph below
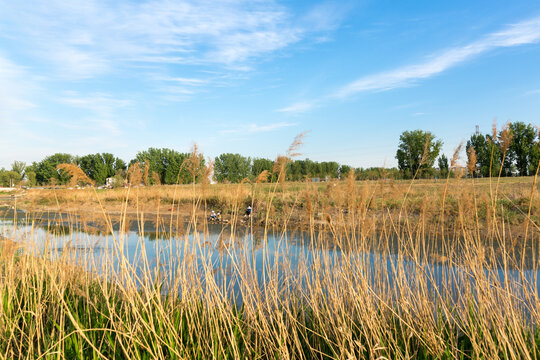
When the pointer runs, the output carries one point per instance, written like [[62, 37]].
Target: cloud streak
[[99, 111], [526, 32], [299, 107], [100, 103], [91, 37], [16, 89], [532, 92], [522, 33]]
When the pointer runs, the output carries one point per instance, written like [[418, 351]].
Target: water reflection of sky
[[278, 256]]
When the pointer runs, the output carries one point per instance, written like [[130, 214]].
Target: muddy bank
[[166, 219]]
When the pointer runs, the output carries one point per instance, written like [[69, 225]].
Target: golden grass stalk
[[77, 176]]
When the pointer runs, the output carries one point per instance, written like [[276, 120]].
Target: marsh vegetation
[[421, 269], [343, 269]]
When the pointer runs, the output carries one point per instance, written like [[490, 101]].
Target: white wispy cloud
[[254, 128], [86, 38], [299, 107], [16, 86], [102, 104], [188, 81], [326, 15], [18, 91], [522, 33], [99, 111], [532, 92]]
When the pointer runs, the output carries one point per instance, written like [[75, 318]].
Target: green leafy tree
[[99, 167], [314, 169], [46, 169], [33, 167], [261, 164], [30, 178], [19, 167], [157, 161], [30, 174], [330, 169], [444, 167], [296, 170], [94, 167], [522, 147], [119, 166], [375, 173], [170, 165], [299, 169], [9, 178], [344, 171], [503, 143], [231, 167], [483, 148], [534, 156], [302, 169], [495, 156], [417, 151], [176, 168]]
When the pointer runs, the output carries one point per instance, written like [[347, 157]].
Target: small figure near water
[[248, 211], [216, 217]]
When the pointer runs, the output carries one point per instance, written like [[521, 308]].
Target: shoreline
[[295, 221]]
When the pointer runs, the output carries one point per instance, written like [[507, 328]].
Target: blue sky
[[247, 76]]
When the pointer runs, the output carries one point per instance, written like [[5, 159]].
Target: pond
[[227, 255]]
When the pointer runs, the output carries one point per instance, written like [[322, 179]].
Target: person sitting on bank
[[213, 216], [248, 211]]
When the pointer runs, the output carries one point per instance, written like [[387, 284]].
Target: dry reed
[[357, 281]]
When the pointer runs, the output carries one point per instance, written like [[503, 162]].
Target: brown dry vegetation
[[467, 204], [330, 308]]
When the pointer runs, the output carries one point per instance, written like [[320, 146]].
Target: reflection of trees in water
[[57, 229], [513, 252]]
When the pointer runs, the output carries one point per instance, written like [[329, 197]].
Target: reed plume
[[77, 175]]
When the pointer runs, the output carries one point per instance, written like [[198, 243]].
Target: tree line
[[234, 168], [514, 150], [152, 166], [162, 166], [167, 166], [97, 167]]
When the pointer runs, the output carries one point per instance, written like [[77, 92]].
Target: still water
[[229, 254]]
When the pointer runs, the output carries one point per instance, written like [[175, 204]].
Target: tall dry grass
[[385, 269]]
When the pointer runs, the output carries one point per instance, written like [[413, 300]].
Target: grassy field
[[441, 205], [485, 305]]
